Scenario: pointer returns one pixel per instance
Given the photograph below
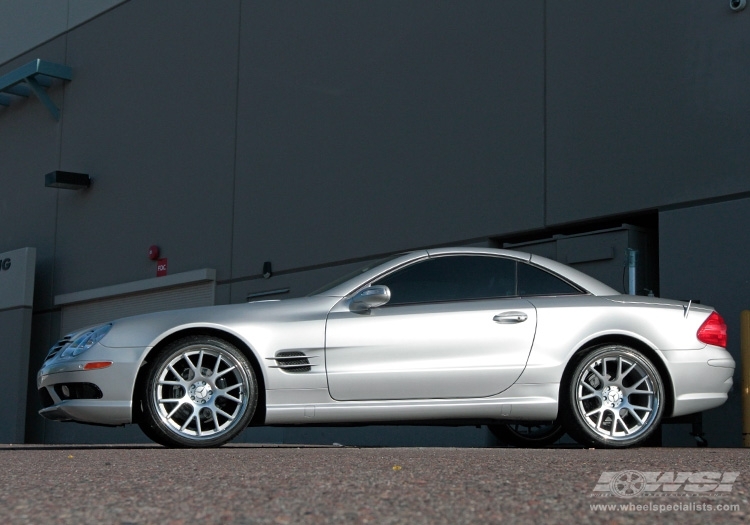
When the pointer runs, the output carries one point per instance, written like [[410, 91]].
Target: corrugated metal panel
[[87, 313]]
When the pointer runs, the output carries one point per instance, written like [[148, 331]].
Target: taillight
[[713, 331]]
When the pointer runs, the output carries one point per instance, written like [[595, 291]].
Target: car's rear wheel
[[199, 392], [614, 398], [528, 434]]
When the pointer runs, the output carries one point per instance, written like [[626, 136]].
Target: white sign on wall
[[17, 278]]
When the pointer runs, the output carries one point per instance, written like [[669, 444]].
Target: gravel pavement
[[307, 484]]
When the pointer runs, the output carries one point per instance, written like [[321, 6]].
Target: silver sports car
[[454, 335]]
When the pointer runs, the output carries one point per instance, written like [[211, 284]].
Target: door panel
[[428, 351]]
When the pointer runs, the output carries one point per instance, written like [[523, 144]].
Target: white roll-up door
[[188, 290]]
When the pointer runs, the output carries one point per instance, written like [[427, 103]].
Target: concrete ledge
[[168, 281]]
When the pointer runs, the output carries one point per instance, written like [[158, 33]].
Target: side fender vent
[[294, 362]]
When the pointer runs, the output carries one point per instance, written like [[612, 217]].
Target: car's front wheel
[[614, 398], [199, 392]]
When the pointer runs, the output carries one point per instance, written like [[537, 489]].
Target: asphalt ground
[[287, 484]]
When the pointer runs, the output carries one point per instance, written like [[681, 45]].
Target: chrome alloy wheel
[[617, 395], [200, 392]]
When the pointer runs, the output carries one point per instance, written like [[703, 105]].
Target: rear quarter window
[[536, 281]]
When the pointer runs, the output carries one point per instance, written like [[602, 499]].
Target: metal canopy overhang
[[33, 78]]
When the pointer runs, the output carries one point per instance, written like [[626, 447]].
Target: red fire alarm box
[[161, 267]]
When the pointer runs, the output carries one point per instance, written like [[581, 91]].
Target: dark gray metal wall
[[369, 127], [15, 325], [644, 105], [704, 254], [313, 134]]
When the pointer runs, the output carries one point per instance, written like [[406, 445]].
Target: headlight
[[86, 340]]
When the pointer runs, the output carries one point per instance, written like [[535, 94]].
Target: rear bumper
[[701, 378]]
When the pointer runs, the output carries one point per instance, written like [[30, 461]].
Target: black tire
[[142, 421], [528, 434], [614, 398], [200, 391]]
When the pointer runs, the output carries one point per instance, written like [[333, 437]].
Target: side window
[[452, 278], [535, 281]]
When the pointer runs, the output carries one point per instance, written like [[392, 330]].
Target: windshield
[[353, 274]]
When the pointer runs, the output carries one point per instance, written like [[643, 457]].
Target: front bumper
[[102, 396]]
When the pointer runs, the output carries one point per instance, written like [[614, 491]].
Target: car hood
[[148, 329]]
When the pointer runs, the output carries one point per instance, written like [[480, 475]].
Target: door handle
[[510, 317]]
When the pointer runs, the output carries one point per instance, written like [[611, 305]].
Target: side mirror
[[370, 297]]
